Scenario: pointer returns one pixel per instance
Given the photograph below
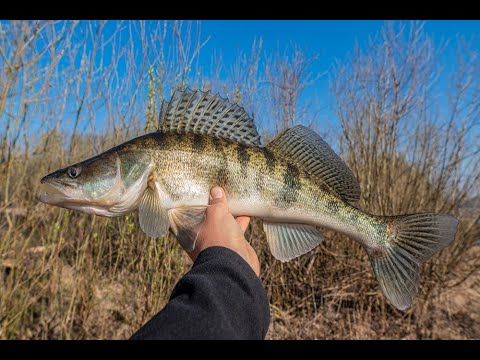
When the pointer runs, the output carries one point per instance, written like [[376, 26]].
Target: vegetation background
[[71, 89]]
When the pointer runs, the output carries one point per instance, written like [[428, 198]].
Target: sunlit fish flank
[[294, 184]]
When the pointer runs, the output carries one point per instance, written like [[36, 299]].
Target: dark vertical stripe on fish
[[157, 138], [217, 144], [222, 173], [198, 143], [269, 159], [332, 206], [291, 186], [243, 157], [222, 176], [180, 136]]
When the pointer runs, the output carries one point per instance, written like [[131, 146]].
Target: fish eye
[[73, 171]]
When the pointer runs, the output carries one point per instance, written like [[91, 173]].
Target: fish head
[[102, 185]]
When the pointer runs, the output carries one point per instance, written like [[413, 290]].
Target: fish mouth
[[52, 194]]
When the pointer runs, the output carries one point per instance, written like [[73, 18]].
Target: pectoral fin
[[185, 223], [152, 215]]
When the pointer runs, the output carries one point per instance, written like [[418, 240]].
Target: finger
[[217, 195], [218, 204], [243, 221]]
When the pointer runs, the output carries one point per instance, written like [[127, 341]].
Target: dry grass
[[454, 315], [69, 275]]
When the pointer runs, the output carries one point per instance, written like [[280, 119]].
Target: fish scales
[[295, 184], [188, 166]]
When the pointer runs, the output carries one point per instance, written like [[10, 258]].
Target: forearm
[[219, 298]]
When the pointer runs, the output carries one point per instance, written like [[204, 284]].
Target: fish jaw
[[118, 201], [53, 195]]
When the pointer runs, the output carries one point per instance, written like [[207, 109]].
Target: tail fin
[[410, 241]]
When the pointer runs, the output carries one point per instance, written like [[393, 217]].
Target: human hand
[[222, 229]]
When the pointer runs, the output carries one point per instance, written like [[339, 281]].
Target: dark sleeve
[[219, 298]]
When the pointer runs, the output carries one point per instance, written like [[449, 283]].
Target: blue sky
[[331, 39], [328, 38]]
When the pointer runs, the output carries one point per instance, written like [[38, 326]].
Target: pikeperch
[[293, 184]]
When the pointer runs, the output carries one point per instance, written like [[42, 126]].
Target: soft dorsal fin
[[305, 148], [208, 114]]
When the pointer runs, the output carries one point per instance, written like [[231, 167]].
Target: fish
[[296, 184]]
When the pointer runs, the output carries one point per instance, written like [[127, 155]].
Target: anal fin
[[288, 241]]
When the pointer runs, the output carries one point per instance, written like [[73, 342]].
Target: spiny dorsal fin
[[208, 114], [305, 148]]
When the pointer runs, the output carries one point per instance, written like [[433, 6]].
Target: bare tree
[[70, 89], [411, 146], [288, 75]]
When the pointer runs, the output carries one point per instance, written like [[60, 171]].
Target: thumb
[[217, 196], [218, 204]]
